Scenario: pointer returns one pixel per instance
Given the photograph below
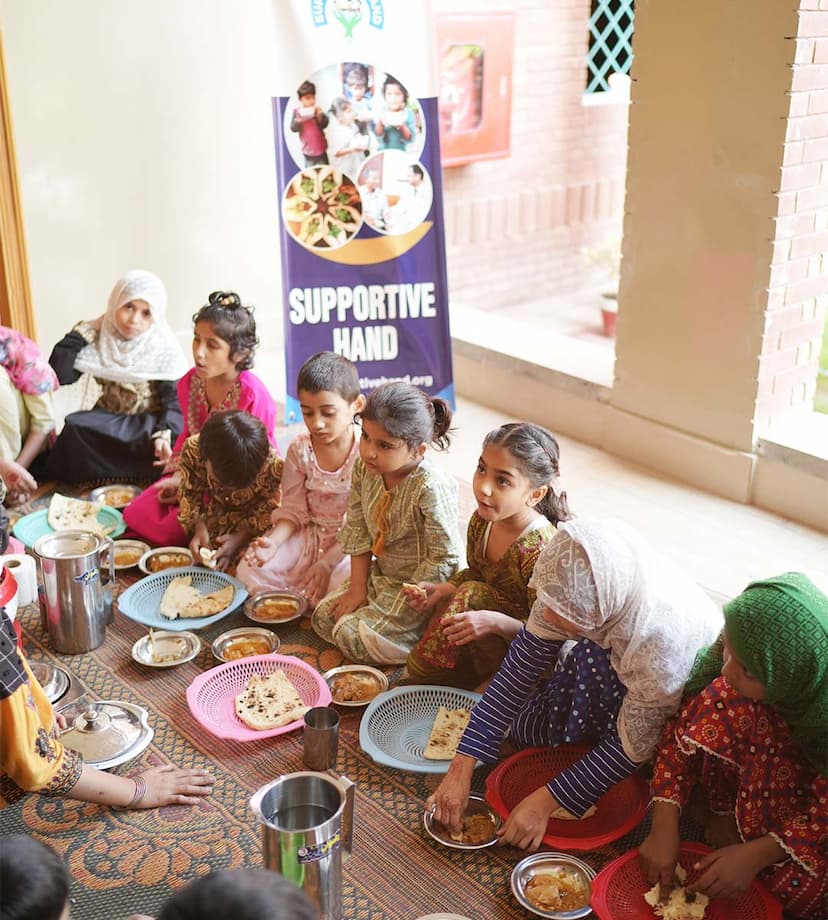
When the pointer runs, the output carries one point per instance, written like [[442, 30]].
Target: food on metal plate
[[269, 702], [446, 733], [475, 829], [160, 561], [556, 889], [244, 647], [679, 905], [117, 496], [354, 687], [273, 609], [127, 555]]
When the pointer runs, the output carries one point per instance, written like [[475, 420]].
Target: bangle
[[140, 792]]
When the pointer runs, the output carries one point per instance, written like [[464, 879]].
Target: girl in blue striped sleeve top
[[638, 623]]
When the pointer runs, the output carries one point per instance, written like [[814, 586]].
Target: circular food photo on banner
[[344, 113], [396, 192], [321, 208]]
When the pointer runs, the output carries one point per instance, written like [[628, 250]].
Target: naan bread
[[181, 599], [269, 702], [561, 814], [446, 733], [67, 513], [416, 590]]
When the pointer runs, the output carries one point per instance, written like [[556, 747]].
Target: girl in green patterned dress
[[401, 526], [478, 611]]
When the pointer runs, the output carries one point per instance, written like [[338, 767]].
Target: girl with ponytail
[[478, 611]]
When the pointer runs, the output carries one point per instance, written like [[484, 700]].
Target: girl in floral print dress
[[224, 343], [478, 611]]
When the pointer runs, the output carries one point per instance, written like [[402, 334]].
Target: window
[[610, 42]]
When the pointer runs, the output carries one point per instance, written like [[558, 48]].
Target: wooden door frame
[[15, 293]]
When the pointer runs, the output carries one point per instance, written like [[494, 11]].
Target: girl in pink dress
[[301, 551], [224, 342]]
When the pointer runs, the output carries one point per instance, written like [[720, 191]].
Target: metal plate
[[222, 644], [255, 606], [380, 678], [54, 680], [115, 495], [137, 547], [183, 645], [477, 806], [143, 562], [540, 863]]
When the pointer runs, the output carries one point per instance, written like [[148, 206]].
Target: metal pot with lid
[[108, 733]]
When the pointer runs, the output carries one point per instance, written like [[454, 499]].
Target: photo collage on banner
[[360, 203]]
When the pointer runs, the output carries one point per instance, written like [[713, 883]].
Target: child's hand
[[316, 581], [728, 872], [420, 596], [228, 544], [163, 451], [261, 550], [167, 490], [201, 537], [351, 600], [463, 628], [658, 855]]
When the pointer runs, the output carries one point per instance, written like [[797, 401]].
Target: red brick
[[805, 290], [802, 332], [812, 25], [796, 177], [808, 245], [809, 77]]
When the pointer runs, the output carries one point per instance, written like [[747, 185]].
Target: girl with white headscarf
[[638, 622], [134, 356]]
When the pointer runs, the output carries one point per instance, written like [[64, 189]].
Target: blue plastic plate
[[31, 527], [142, 601], [396, 725]]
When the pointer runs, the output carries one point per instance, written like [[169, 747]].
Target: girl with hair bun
[[401, 527], [480, 609], [224, 343]]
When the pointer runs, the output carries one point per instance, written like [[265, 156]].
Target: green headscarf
[[778, 629]]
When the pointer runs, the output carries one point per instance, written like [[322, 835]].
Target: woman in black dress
[[134, 356]]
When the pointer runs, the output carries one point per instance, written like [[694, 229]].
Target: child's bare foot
[[721, 831]]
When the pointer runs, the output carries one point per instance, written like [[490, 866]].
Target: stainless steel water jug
[[75, 588], [307, 833]]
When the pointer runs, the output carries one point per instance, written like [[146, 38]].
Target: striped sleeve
[[528, 657], [589, 778]]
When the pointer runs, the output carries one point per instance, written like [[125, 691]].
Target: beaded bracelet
[[140, 792]]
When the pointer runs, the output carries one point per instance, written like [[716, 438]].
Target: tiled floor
[[722, 544]]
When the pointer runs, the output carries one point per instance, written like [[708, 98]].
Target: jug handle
[[348, 787], [111, 556]]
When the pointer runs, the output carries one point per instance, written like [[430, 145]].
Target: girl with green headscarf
[[754, 737]]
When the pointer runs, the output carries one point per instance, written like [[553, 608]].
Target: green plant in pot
[[605, 260]]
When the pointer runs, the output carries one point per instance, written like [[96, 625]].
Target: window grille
[[610, 42]]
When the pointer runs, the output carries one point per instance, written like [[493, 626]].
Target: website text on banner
[[360, 191]]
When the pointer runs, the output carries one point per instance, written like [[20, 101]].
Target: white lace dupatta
[[615, 590]]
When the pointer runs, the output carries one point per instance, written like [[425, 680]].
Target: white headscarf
[[601, 577], [154, 355]]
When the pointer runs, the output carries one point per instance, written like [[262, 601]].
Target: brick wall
[[516, 226], [798, 287]]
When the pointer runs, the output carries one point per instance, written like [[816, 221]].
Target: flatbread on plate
[[181, 599], [67, 513], [446, 733], [269, 702]]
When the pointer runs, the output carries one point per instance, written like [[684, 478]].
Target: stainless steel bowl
[[136, 548], [284, 606], [477, 806], [171, 648], [54, 680], [223, 643], [116, 494], [379, 676], [144, 561], [554, 864]]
